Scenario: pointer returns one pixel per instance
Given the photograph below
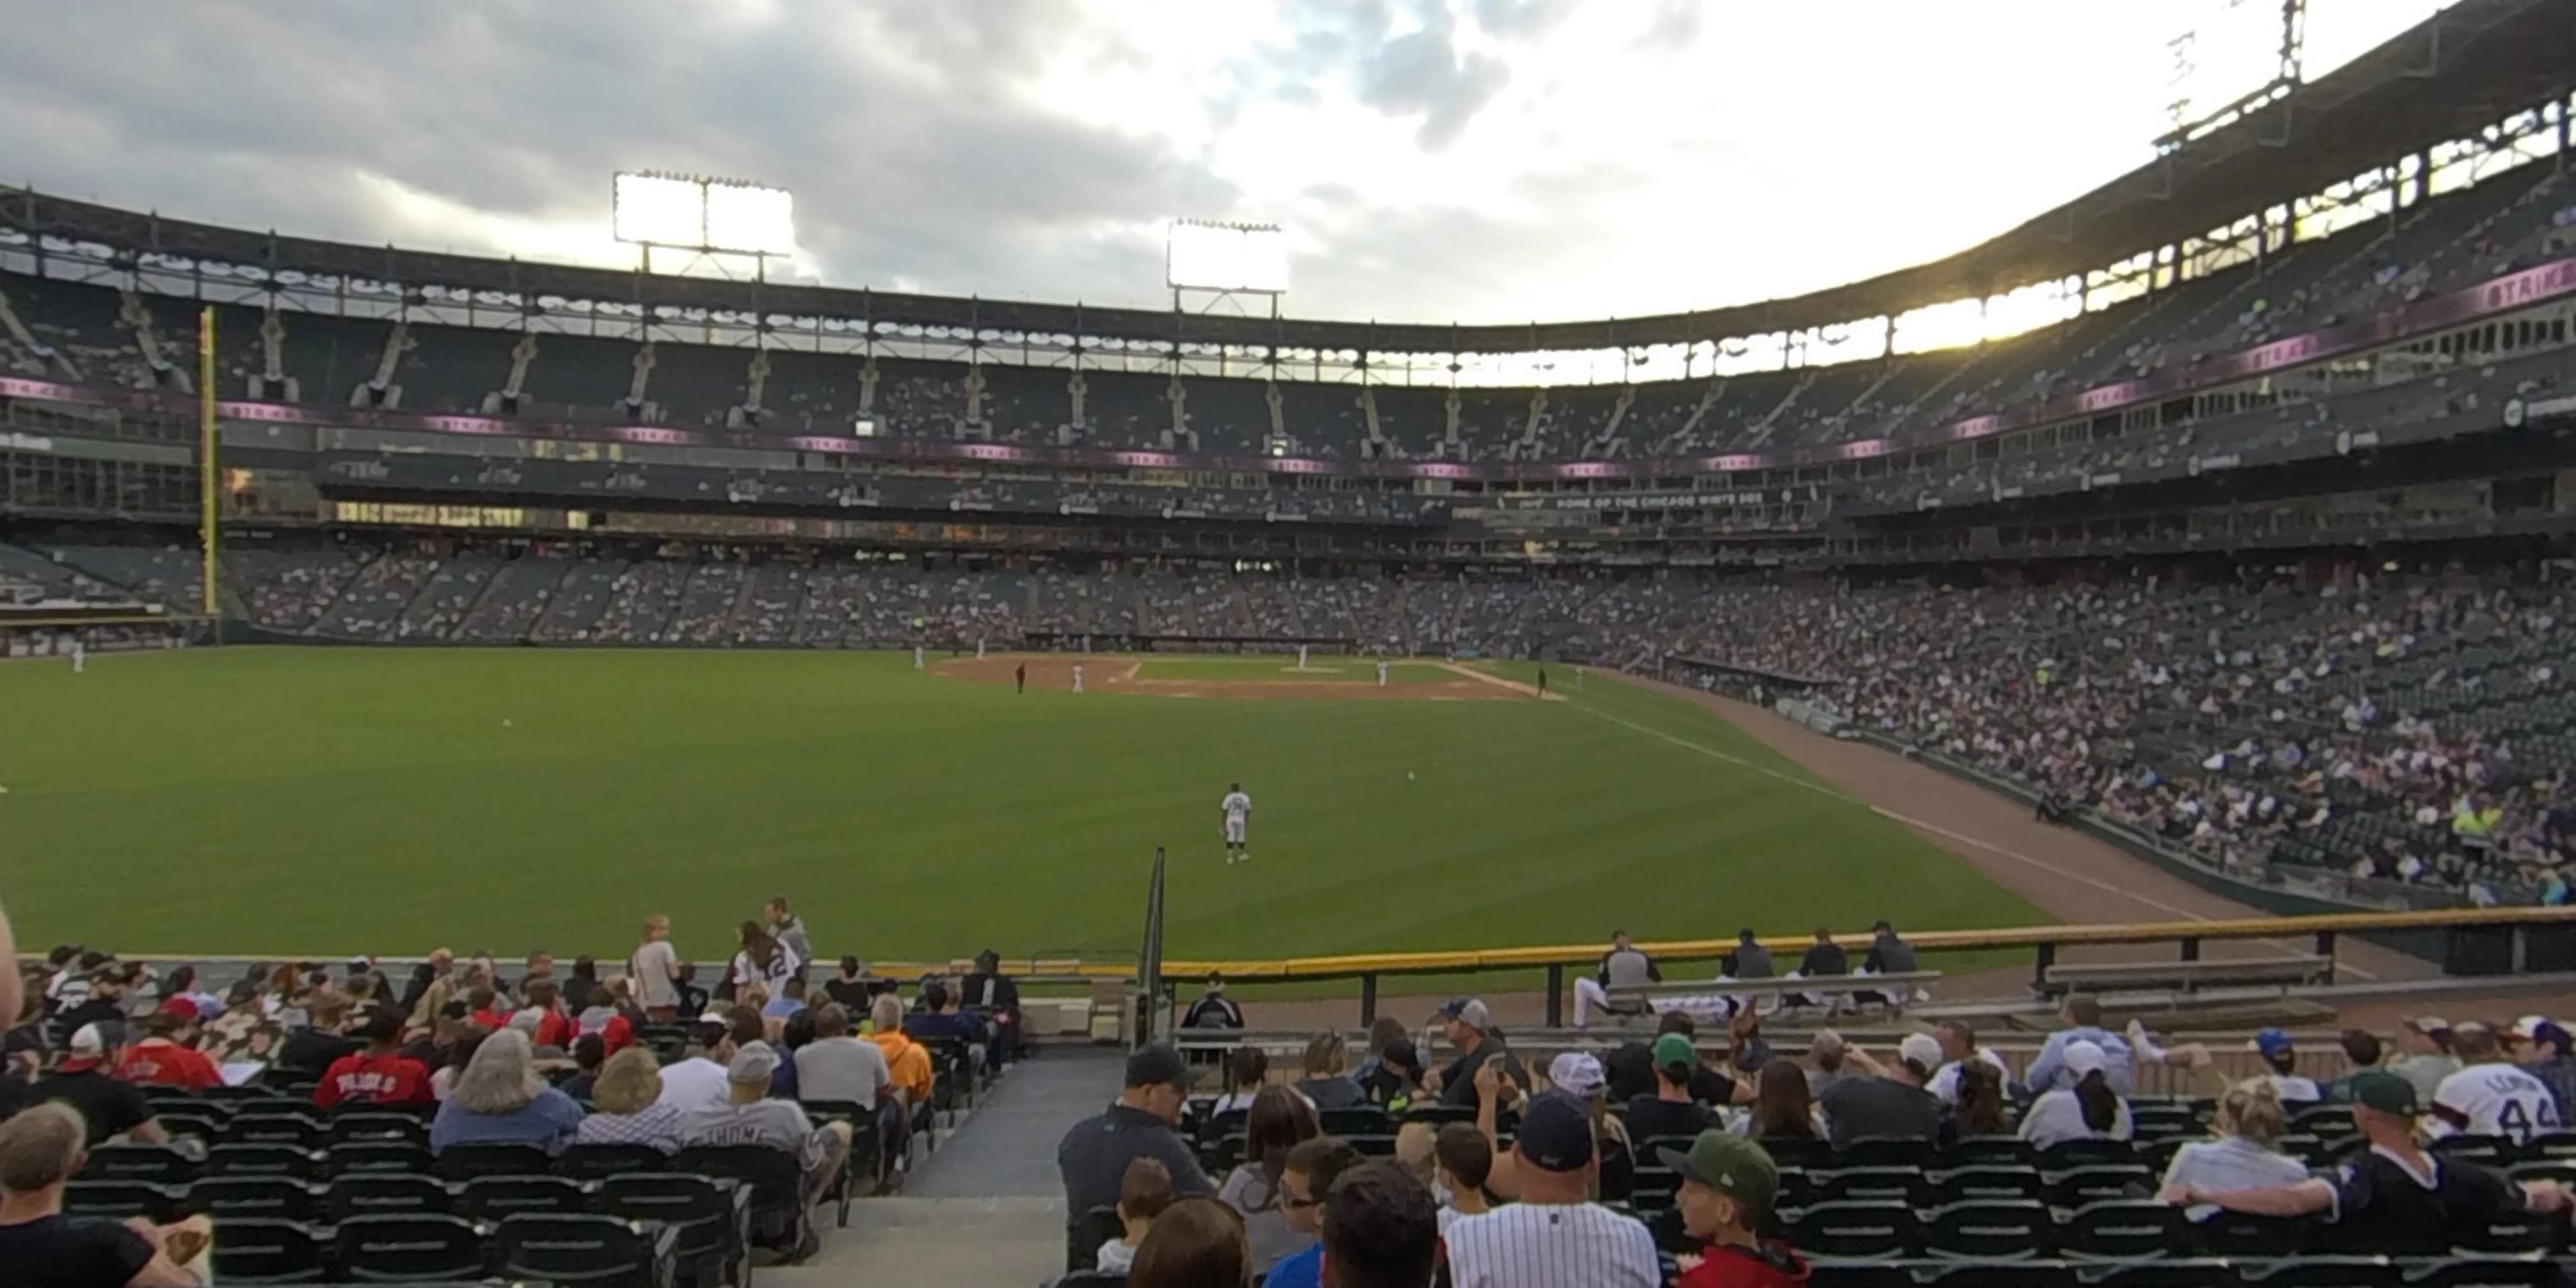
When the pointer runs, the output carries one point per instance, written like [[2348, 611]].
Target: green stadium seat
[[275, 1197], [1989, 1230], [249, 1250], [588, 1250], [413, 1246]]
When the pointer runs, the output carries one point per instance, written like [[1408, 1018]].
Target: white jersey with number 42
[[2496, 1100]]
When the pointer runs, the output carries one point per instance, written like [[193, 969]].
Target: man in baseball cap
[[1555, 1234], [750, 1117], [1728, 1187], [2393, 1198], [1670, 1111], [108, 1105], [1092, 1158], [2541, 1047], [1470, 1028], [2279, 1052]]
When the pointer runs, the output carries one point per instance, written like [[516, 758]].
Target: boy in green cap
[[1728, 1185]]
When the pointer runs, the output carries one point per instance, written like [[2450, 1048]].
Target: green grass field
[[1318, 670], [275, 801]]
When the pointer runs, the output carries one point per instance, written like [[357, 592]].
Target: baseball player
[[1236, 810]]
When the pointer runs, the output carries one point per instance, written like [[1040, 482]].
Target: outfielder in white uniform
[[80, 655], [1301, 657], [1237, 811], [1381, 673], [916, 657], [1077, 677]]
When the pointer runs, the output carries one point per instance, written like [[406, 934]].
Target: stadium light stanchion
[[1149, 966], [206, 466], [1556, 995]]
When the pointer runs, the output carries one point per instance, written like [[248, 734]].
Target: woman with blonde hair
[[2246, 1153], [501, 1099], [626, 1105], [1327, 1082]]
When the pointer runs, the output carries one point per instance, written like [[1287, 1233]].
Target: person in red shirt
[[605, 1016], [554, 1028], [1728, 1186], [487, 1014], [379, 1075], [164, 1057]]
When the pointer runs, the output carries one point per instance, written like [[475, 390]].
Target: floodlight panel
[[2225, 51], [1226, 257], [660, 210], [746, 217]]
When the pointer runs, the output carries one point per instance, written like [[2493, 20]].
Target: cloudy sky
[[1476, 160]]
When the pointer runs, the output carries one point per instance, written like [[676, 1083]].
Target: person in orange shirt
[[908, 1071], [164, 1057]]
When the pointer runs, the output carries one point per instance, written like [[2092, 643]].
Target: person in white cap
[[1890, 1101], [750, 1117], [1577, 1076], [86, 1080], [699, 1080], [2090, 1110]]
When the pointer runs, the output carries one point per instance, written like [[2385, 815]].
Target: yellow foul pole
[[206, 465]]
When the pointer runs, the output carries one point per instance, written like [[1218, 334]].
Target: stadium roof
[[2450, 77]]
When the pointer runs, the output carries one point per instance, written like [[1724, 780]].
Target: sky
[[1430, 160]]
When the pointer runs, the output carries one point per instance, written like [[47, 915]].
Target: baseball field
[[309, 801]]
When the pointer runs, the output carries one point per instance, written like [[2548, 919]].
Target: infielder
[[916, 657], [1381, 673], [1301, 657], [1077, 677], [1236, 810]]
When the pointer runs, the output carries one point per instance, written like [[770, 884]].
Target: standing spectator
[[1213, 1010], [1782, 1109], [40, 1151], [501, 1099], [2488, 1096], [1306, 1176], [2543, 1055], [1887, 1102], [110, 1108], [1196, 1243], [1094, 1154], [1959, 1046], [1670, 1111], [1142, 1195], [1624, 966], [2282, 1055], [1380, 1230], [164, 1057], [2246, 1155], [655, 968], [627, 1106], [2083, 1019], [1327, 1084], [789, 930], [1280, 1120], [1728, 1188], [1470, 1028], [763, 961], [941, 1020], [2090, 1110], [380, 1075], [750, 1117], [1555, 1235], [2393, 1197], [838, 1066], [2427, 1059]]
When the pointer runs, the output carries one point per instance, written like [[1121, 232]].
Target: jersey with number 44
[[2496, 1100], [1236, 805]]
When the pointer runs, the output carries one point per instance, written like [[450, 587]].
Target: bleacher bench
[[2185, 977], [1636, 999]]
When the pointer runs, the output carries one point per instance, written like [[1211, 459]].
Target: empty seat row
[[598, 1251], [2193, 1272], [2112, 1230]]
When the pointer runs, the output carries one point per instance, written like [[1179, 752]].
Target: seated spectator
[[1306, 1176], [940, 1020], [1886, 1101], [589, 1052], [2489, 1096], [605, 1014], [460, 1053], [1464, 1160], [1142, 1195], [2283, 1056], [109, 1108], [320, 1041], [2540, 1047], [1196, 1243], [2426, 1046], [1727, 1192], [1327, 1084], [1247, 1070], [789, 1002], [1380, 1230], [165, 1058], [1213, 1010], [2363, 1052], [485, 1004], [1554, 1229], [1624, 966], [1782, 1109], [2246, 1155], [380, 1075], [1395, 1080], [2090, 1110], [838, 1066], [1469, 1028], [750, 1117], [850, 987], [1094, 1154], [2083, 1018], [1384, 1031], [1824, 958], [699, 1080], [997, 997], [1414, 1144], [1577, 1076], [627, 1106], [1278, 1122], [796, 1034], [1669, 1110], [41, 1149], [1959, 1046], [908, 1067], [1747, 960], [100, 1001], [185, 985], [243, 1034], [1980, 1109], [2393, 1197], [1825, 1062], [500, 1099]]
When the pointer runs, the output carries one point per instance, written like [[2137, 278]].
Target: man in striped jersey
[[1555, 1235]]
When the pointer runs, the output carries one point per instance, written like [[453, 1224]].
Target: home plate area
[[1253, 678]]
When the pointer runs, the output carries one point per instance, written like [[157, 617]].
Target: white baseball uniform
[[1077, 677], [2494, 1100], [1381, 675], [1238, 816]]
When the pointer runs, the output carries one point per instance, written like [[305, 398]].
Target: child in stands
[[1143, 1193]]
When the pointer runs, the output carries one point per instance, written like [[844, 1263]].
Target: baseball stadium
[[1979, 775]]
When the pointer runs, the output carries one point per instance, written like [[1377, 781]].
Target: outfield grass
[[1265, 669], [258, 801]]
